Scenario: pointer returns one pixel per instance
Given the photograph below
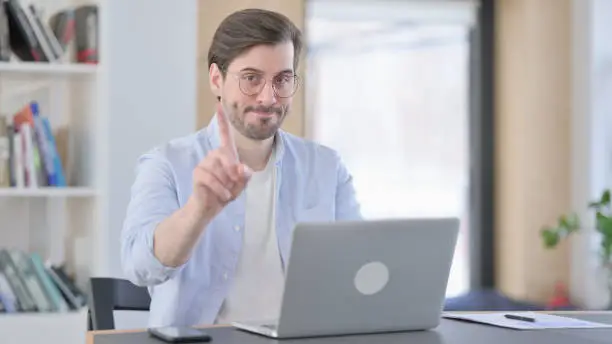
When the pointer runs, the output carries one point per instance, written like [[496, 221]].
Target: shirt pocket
[[316, 202], [318, 213], [318, 207]]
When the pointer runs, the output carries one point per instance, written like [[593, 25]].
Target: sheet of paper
[[542, 321]]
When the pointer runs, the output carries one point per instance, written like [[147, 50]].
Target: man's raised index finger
[[224, 131]]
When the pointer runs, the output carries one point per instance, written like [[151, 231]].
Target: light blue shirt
[[312, 185]]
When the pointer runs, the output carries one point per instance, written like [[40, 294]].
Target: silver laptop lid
[[367, 276]]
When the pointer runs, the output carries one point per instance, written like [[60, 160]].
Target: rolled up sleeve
[[153, 199]]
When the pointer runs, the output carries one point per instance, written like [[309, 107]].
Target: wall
[[151, 72], [533, 140], [210, 15]]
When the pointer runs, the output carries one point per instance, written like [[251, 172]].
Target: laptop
[[356, 277]]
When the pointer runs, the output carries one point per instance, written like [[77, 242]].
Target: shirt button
[[237, 228], [225, 276]]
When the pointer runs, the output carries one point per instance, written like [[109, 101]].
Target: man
[[209, 223]]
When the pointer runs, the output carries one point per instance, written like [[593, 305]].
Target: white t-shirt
[[259, 280]]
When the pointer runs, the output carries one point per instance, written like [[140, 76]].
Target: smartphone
[[175, 334]]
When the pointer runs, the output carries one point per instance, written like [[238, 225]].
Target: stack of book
[[29, 156], [27, 284], [24, 33]]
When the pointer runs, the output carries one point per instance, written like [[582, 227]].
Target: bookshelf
[[38, 69], [48, 192], [59, 222]]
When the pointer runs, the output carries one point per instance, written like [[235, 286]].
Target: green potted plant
[[570, 223]]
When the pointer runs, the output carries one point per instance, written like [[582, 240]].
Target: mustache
[[264, 109]]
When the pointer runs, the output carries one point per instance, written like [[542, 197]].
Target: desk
[[449, 332]]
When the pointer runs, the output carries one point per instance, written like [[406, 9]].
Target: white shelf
[[26, 328], [30, 69], [64, 225], [48, 192]]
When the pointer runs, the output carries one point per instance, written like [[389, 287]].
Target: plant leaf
[[594, 205], [573, 222], [550, 237], [605, 198], [604, 225], [606, 247]]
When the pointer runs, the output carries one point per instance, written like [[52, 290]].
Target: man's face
[[257, 90]]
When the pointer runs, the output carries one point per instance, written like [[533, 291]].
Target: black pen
[[518, 317]]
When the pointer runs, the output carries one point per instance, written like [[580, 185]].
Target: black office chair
[[109, 294]]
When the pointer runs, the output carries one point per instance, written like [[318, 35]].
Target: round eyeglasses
[[284, 85]]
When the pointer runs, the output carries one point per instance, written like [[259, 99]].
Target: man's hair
[[244, 29]]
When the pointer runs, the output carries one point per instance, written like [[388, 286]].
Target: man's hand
[[220, 177]]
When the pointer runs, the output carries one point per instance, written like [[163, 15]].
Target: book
[[48, 35], [7, 296], [31, 154], [76, 297], [5, 175], [7, 267], [52, 290], [29, 284], [26, 272], [26, 35], [63, 26], [17, 160], [38, 32], [86, 25], [5, 43], [23, 40]]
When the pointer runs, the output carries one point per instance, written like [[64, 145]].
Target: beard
[[264, 127]]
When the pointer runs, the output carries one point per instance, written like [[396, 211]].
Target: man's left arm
[[347, 206]]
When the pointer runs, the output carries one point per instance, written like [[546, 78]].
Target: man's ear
[[215, 79]]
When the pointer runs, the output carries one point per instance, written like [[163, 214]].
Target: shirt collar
[[214, 139]]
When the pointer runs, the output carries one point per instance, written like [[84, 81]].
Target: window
[[388, 88]]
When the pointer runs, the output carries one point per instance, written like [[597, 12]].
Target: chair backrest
[[110, 294]]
